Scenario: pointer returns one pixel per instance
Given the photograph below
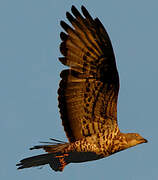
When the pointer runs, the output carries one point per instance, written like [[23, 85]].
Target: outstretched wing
[[89, 89]]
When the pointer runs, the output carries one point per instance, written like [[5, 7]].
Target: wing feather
[[88, 90]]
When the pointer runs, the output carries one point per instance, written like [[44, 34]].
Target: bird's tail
[[56, 157]]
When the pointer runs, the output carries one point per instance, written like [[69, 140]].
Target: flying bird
[[87, 95]]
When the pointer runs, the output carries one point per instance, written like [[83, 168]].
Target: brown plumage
[[88, 94]]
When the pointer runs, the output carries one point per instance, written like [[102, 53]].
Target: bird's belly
[[90, 148]]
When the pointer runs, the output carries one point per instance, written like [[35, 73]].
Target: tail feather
[[56, 162], [53, 148], [35, 161], [56, 157]]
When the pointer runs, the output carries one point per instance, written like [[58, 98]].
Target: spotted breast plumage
[[88, 94]]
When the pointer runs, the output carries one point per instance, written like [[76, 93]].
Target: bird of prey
[[88, 93]]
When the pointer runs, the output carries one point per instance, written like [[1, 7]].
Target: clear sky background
[[29, 78]]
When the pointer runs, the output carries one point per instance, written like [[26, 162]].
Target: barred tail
[[56, 158]]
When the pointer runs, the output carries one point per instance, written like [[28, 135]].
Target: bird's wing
[[89, 89]]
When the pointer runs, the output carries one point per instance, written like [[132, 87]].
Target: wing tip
[[63, 36], [63, 48]]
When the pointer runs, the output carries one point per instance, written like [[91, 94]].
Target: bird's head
[[133, 139]]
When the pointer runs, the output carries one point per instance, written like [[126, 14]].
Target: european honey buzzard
[[88, 94]]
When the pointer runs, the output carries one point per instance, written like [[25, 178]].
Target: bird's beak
[[145, 141]]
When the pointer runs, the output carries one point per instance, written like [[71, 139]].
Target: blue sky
[[29, 76]]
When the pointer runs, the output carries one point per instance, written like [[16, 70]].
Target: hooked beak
[[144, 141]]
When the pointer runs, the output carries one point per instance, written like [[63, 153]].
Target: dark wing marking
[[89, 89]]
